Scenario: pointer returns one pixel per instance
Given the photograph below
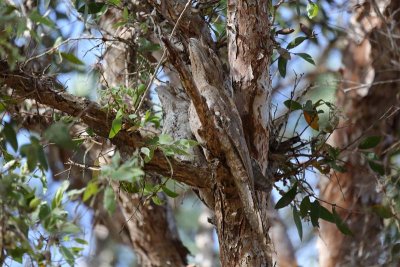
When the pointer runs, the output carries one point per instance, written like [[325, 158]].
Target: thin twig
[[162, 58]]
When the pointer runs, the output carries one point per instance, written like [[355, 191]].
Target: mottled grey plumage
[[208, 77]]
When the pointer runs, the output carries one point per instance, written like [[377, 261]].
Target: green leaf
[[44, 211], [297, 222], [305, 206], [29, 152], [312, 10], [91, 189], [59, 194], [157, 200], [116, 124], [382, 211], [93, 8], [34, 203], [314, 213], [376, 167], [296, 42], [169, 192], [282, 64], [42, 157], [370, 142], [71, 58], [325, 214], [58, 133], [39, 19], [292, 105], [341, 225], [70, 228], [69, 257], [125, 13], [165, 139], [10, 135], [114, 2], [81, 241], [287, 198], [109, 200], [306, 57], [148, 154]]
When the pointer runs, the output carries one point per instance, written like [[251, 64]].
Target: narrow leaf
[[376, 167], [382, 211], [306, 57], [370, 142], [341, 225], [169, 192], [282, 64], [305, 206], [292, 105], [287, 198], [297, 222], [296, 42], [10, 135], [312, 10], [71, 58], [109, 200], [116, 124]]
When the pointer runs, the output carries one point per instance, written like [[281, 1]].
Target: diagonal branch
[[42, 89]]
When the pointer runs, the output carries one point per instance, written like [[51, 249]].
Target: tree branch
[[42, 89]]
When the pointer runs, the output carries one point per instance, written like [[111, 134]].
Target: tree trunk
[[369, 95]]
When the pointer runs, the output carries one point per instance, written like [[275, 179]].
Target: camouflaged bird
[[209, 80]]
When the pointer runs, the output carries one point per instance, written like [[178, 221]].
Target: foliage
[[40, 227], [31, 223]]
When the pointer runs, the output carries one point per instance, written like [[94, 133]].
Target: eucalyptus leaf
[[287, 198]]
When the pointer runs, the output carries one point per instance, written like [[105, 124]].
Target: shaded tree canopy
[[199, 133]]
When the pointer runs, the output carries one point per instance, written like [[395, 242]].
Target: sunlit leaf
[[59, 194], [116, 124], [169, 192], [91, 190], [157, 200], [312, 10], [165, 139]]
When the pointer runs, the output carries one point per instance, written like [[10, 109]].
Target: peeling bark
[[249, 53], [369, 90]]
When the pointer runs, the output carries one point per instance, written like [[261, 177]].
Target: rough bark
[[235, 149], [369, 91], [249, 53], [153, 232]]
